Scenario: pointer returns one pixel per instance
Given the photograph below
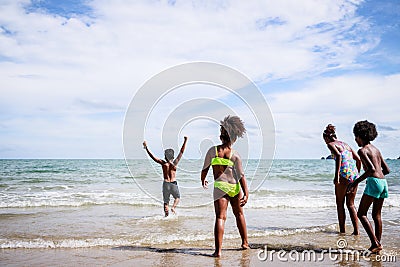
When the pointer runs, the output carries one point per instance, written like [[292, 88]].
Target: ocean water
[[47, 204]]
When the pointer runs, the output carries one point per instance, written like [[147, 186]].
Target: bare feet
[[355, 233], [166, 211], [245, 246], [216, 254], [375, 249], [173, 210]]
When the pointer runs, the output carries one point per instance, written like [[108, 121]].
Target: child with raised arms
[[170, 185]]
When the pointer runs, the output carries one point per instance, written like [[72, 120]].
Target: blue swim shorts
[[377, 188]]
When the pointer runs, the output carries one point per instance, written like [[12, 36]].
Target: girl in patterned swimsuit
[[347, 167], [230, 184]]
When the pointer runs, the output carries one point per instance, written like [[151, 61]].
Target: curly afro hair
[[233, 126], [330, 132], [365, 130]]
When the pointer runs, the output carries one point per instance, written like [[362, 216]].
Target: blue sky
[[69, 69]]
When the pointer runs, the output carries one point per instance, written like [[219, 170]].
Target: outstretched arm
[[150, 154], [369, 169], [178, 158]]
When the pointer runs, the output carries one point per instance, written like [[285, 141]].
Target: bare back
[[169, 171], [371, 159], [223, 172]]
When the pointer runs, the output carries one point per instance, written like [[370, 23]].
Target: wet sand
[[192, 255]]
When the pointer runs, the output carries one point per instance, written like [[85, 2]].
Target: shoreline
[[182, 256], [311, 249]]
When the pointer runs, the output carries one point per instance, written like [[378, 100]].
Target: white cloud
[[158, 34], [353, 95], [301, 115], [73, 67]]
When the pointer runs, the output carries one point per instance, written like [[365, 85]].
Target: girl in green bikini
[[230, 184]]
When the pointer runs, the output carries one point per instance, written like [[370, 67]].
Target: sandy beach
[[282, 254]]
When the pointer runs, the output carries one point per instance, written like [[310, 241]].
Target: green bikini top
[[222, 161]]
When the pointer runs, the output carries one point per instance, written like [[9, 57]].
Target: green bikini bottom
[[231, 189]]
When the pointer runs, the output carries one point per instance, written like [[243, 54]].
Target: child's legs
[[220, 206], [240, 219], [176, 194], [176, 201], [166, 194], [365, 203], [340, 193], [352, 209], [376, 216]]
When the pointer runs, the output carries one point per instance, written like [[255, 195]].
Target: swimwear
[[377, 188], [170, 188], [222, 161], [348, 168], [230, 189]]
